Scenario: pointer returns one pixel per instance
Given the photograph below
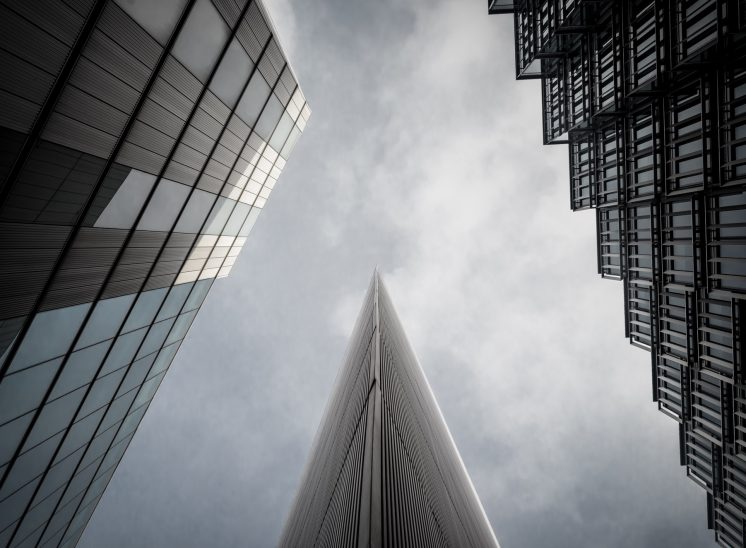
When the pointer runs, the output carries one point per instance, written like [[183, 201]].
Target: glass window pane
[[270, 117], [290, 143], [175, 300], [127, 202], [55, 416], [250, 220], [281, 133], [105, 320], [158, 18], [144, 311], [218, 216], [80, 368], [201, 39], [165, 356], [10, 436], [237, 219], [232, 74], [29, 465], [102, 392], [135, 376], [164, 206], [123, 351], [253, 99], [198, 294], [195, 212], [50, 335], [23, 391], [181, 326], [155, 338], [80, 433]]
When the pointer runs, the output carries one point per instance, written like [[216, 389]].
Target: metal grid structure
[[650, 95], [139, 141], [384, 470]]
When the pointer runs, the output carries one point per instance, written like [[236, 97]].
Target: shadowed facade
[[384, 470], [650, 96], [139, 141]]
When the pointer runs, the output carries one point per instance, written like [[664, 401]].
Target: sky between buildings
[[423, 157]]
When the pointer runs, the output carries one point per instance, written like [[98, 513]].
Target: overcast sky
[[423, 157]]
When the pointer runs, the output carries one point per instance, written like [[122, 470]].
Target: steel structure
[[384, 470], [650, 96], [139, 141]]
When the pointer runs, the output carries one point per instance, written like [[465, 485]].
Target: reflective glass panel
[[281, 133], [50, 335], [80, 368], [123, 351], [195, 212], [158, 18], [23, 391], [55, 416], [127, 202], [164, 206], [155, 338], [218, 216], [253, 99], [105, 320], [198, 294], [11, 434], [175, 300], [236, 220], [201, 39], [270, 117], [232, 74], [145, 309], [250, 220]]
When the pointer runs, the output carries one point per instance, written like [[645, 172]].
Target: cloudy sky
[[423, 157]]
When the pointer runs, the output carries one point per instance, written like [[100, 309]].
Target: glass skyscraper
[[650, 96], [384, 470], [139, 141]]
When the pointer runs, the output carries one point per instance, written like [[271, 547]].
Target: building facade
[[384, 470], [650, 97], [139, 142]]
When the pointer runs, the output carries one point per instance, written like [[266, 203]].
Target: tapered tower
[[384, 470]]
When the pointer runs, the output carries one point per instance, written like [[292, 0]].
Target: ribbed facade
[[384, 470], [650, 96], [139, 141]]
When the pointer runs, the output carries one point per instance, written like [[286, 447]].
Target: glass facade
[[139, 141], [650, 96], [384, 470]]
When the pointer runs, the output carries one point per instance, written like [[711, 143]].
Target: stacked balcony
[[650, 96]]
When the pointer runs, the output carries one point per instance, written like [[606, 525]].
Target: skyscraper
[[650, 96], [384, 470], [139, 141]]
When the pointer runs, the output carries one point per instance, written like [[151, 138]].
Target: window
[[49, 335], [270, 117], [196, 212], [232, 74], [253, 99], [201, 39], [164, 206], [158, 18], [80, 369], [281, 132], [127, 202], [144, 311], [105, 320], [23, 391], [175, 300], [218, 216]]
